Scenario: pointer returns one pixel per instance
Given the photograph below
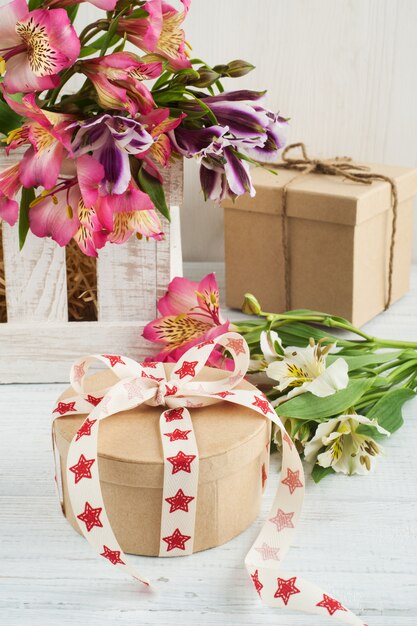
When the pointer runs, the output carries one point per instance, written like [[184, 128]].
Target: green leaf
[[310, 407], [111, 33], [363, 360], [9, 120], [86, 51], [138, 14], [318, 473], [34, 4], [28, 195], [72, 12], [299, 333], [151, 185], [388, 409]]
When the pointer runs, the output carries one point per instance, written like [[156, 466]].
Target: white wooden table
[[357, 538]]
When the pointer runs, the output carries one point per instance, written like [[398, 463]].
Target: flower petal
[[238, 174], [10, 14], [90, 173], [20, 77], [180, 297], [50, 219], [9, 210], [332, 379], [42, 167]]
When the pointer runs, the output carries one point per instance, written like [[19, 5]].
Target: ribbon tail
[[84, 487], [276, 587]]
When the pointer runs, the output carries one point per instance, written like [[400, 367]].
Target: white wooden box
[[38, 343]]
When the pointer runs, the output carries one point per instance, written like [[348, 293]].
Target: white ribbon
[[146, 383]]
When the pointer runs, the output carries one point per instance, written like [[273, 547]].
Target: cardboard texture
[[339, 235], [233, 445]]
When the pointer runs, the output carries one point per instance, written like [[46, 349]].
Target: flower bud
[[250, 305], [207, 77], [234, 69], [239, 68]]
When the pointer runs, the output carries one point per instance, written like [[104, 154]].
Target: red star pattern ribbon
[[136, 386]]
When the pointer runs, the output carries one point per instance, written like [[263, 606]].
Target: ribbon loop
[[140, 383]]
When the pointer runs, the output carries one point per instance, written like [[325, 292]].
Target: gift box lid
[[326, 198], [129, 446]]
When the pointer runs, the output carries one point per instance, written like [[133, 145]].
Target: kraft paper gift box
[[233, 443], [339, 235]]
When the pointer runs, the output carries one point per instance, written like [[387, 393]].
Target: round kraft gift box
[[233, 444]]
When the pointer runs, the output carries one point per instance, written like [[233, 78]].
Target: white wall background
[[343, 70]]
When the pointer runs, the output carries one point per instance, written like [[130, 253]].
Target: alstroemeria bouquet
[[92, 161], [337, 395]]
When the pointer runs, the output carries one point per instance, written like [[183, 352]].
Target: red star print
[[179, 502], [262, 404], [114, 360], [134, 389], [257, 582], [282, 520], [145, 375], [292, 480], [264, 475], [174, 414], [237, 345], [187, 369], [90, 516], [94, 401], [178, 434], [64, 407], [286, 589], [181, 462], [151, 364], [209, 342], [287, 440], [268, 552], [112, 555], [224, 394], [170, 391], [85, 429], [331, 604], [79, 371], [82, 469], [176, 540]]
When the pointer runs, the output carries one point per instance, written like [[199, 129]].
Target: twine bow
[[338, 166], [147, 383]]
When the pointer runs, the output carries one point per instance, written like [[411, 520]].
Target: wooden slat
[[168, 252], [130, 277], [36, 353], [126, 281], [36, 283]]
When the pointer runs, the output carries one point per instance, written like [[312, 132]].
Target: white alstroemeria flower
[[342, 447], [304, 369], [272, 349]]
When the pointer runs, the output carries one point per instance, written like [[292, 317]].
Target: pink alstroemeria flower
[[118, 80], [10, 185], [68, 211], [36, 46], [48, 138], [190, 314], [106, 5], [158, 122], [159, 33], [131, 212]]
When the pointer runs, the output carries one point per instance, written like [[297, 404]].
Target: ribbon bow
[[147, 383]]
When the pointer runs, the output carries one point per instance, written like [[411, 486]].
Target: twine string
[[338, 166]]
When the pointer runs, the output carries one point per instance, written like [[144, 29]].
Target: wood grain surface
[[357, 538]]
